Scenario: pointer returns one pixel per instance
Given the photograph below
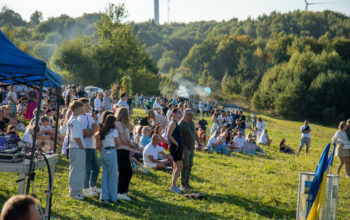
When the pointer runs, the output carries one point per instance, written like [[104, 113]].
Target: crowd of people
[[166, 138]]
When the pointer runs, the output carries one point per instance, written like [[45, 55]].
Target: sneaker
[[89, 192], [124, 197], [77, 197], [95, 189], [175, 189]]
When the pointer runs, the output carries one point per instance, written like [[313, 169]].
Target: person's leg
[[176, 172], [190, 165], [104, 177], [95, 168], [88, 164], [301, 145], [307, 140], [346, 164], [125, 170], [185, 164], [77, 171], [341, 163], [112, 176]]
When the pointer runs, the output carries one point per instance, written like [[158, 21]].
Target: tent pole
[[31, 173], [57, 118]]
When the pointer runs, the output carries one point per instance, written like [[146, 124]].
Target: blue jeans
[[76, 170], [109, 180], [218, 149], [92, 168]]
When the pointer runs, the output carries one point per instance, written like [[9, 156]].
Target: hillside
[[237, 187]]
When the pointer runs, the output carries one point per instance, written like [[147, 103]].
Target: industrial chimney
[[156, 11]]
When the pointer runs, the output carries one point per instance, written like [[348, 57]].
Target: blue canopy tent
[[17, 67]]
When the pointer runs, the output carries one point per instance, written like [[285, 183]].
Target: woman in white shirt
[[264, 138], [340, 139], [98, 102], [107, 142], [217, 144]]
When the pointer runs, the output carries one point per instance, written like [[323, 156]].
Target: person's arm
[[116, 142], [150, 157], [122, 139], [170, 134], [98, 142], [80, 143], [165, 155]]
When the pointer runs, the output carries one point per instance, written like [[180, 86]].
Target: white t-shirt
[[305, 134], [229, 119], [75, 131], [122, 103], [260, 126], [21, 89], [212, 141], [98, 104], [262, 139], [239, 142], [13, 95], [153, 151], [86, 121], [109, 139]]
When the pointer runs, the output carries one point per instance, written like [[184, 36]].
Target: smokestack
[[156, 11]]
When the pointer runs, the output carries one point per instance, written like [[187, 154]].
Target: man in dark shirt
[[189, 136], [81, 92], [241, 122]]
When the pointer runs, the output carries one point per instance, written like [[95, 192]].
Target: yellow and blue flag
[[330, 159], [317, 193]]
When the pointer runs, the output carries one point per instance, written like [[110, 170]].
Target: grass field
[[237, 187]]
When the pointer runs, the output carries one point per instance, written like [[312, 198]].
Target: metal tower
[[156, 11]]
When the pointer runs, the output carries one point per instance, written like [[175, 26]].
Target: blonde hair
[[122, 115], [144, 129], [341, 125]]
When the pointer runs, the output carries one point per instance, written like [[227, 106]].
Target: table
[[23, 168]]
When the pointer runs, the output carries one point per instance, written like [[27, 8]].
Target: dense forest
[[294, 64]]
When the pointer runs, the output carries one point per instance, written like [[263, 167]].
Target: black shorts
[[176, 152]]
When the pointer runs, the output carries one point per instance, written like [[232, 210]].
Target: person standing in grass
[[340, 139], [76, 144], [92, 166], [347, 130], [107, 142], [305, 137], [123, 152], [189, 136], [175, 138]]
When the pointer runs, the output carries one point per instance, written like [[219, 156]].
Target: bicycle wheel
[[42, 186]]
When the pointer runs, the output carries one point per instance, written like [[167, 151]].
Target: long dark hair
[[104, 116], [108, 124]]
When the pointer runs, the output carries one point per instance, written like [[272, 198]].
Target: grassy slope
[[239, 187]]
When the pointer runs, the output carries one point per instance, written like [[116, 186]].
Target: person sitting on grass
[[217, 144], [151, 154], [285, 148], [145, 138], [239, 140], [202, 145], [264, 139], [164, 143]]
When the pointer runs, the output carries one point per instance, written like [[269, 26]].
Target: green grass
[[237, 187]]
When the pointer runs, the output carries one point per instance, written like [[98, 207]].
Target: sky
[[180, 10]]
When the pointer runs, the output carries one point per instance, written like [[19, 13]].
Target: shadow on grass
[[143, 206], [265, 210]]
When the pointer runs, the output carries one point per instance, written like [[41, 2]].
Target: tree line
[[294, 64]]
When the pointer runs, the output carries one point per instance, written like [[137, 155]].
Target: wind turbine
[[315, 3]]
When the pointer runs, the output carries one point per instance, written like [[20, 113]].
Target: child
[[77, 155], [44, 139], [145, 138]]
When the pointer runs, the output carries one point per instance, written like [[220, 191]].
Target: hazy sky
[[180, 10]]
